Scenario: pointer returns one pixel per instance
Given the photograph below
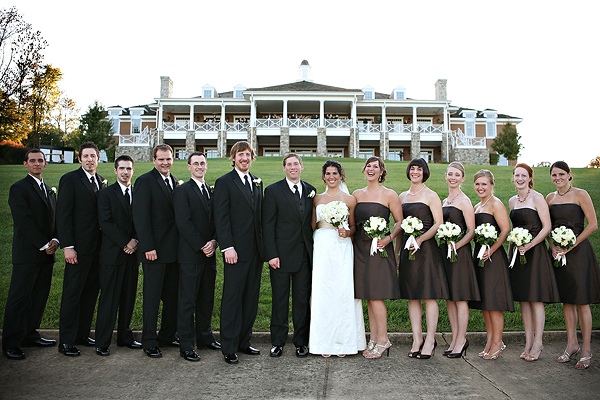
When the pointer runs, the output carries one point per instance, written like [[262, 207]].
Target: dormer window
[[369, 93], [399, 93], [208, 92], [238, 92], [136, 121], [491, 118]]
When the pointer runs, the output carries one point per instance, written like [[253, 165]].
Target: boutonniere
[[179, 182], [104, 183], [257, 181], [211, 188], [53, 190], [311, 194]]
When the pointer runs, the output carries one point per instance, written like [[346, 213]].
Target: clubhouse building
[[310, 119]]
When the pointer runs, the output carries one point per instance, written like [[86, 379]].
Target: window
[[239, 94], [305, 152], [136, 122], [335, 153], [490, 129], [470, 128], [427, 155], [115, 125], [182, 122], [399, 94], [207, 93], [368, 95], [396, 155], [364, 154], [179, 153], [271, 152], [211, 153]]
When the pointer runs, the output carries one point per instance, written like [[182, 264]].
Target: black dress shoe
[[132, 345], [173, 343], [69, 350], [102, 351], [89, 342], [251, 351], [190, 355], [14, 354], [212, 346], [39, 342], [231, 358], [153, 352], [276, 351], [301, 351]]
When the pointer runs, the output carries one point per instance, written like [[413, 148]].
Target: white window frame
[[335, 153], [179, 153], [369, 95], [212, 152], [400, 95], [363, 154], [396, 155]]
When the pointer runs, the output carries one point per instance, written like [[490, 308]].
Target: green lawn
[[270, 170]]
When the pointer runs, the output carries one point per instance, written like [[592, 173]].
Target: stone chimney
[[440, 90], [166, 87]]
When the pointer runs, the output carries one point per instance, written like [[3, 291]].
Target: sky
[[536, 61]]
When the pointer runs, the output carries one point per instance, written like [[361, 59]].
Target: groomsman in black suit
[[32, 204], [197, 261], [286, 219], [79, 235], [119, 265], [237, 206], [154, 219]]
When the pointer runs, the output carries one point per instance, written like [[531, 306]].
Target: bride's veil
[[343, 187]]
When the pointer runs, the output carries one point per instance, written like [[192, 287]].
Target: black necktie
[[204, 192], [296, 193], [168, 184], [94, 183], [247, 183], [127, 197]]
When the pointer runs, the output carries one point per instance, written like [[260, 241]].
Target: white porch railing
[[269, 123], [207, 126], [180, 126], [460, 140], [145, 138], [430, 128], [303, 123], [369, 128], [399, 128], [236, 126], [338, 123]]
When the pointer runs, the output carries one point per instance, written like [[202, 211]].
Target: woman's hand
[[381, 243], [344, 233]]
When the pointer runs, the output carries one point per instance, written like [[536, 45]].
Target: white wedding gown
[[336, 325]]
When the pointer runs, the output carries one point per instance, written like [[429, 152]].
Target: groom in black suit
[[237, 206], [79, 235], [32, 204], [287, 214]]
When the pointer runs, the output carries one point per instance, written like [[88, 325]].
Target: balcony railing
[[428, 128], [460, 140], [304, 123], [338, 123], [236, 126], [369, 128], [269, 123], [207, 126], [144, 138], [399, 128], [179, 126]]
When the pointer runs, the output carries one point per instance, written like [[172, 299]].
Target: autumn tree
[[508, 142], [595, 163], [43, 99], [95, 127]]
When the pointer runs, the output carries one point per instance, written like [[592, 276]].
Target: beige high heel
[[580, 364], [566, 357]]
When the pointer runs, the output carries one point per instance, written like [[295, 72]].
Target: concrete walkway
[[126, 373]]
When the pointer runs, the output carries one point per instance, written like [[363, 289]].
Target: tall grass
[[270, 170]]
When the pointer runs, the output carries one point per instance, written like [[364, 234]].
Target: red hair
[[529, 171]]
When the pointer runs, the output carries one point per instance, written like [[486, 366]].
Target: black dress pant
[[160, 283]]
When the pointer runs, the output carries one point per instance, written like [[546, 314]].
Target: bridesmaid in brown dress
[[375, 277], [579, 280], [533, 283]]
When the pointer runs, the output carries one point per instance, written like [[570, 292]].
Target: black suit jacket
[[116, 222], [33, 221], [154, 218], [283, 227], [77, 213], [195, 222], [238, 215]]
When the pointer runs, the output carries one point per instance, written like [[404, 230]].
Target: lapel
[[121, 197], [38, 190], [240, 184], [307, 200], [287, 193], [86, 182], [196, 190], [161, 183]]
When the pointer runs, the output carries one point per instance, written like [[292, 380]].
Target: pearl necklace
[[483, 205], [414, 194], [327, 193], [524, 198], [562, 194]]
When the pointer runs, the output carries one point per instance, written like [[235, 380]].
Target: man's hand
[[274, 263], [209, 248], [151, 255], [231, 256], [131, 247], [71, 256], [52, 246]]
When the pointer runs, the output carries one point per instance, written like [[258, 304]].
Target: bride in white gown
[[337, 324]]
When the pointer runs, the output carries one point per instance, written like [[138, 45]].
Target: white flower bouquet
[[376, 228], [336, 213], [486, 235], [413, 227], [564, 238], [449, 233], [519, 237]]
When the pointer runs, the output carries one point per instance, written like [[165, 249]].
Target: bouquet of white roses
[[564, 238], [336, 213], [412, 226], [519, 237], [376, 228], [449, 233], [486, 235]]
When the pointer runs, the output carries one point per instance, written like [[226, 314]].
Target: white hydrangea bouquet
[[336, 213], [486, 235], [376, 228], [413, 227], [519, 237], [564, 238], [449, 233]]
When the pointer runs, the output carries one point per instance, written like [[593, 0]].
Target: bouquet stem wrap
[[482, 252], [452, 251], [560, 259], [411, 241]]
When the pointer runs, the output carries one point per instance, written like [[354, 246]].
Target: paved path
[[126, 373]]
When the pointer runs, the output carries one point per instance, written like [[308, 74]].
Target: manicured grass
[[270, 170]]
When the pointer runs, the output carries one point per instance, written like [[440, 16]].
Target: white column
[[285, 113], [353, 114], [191, 127], [322, 113], [252, 112], [414, 124], [383, 118], [446, 125], [222, 116], [160, 117]]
